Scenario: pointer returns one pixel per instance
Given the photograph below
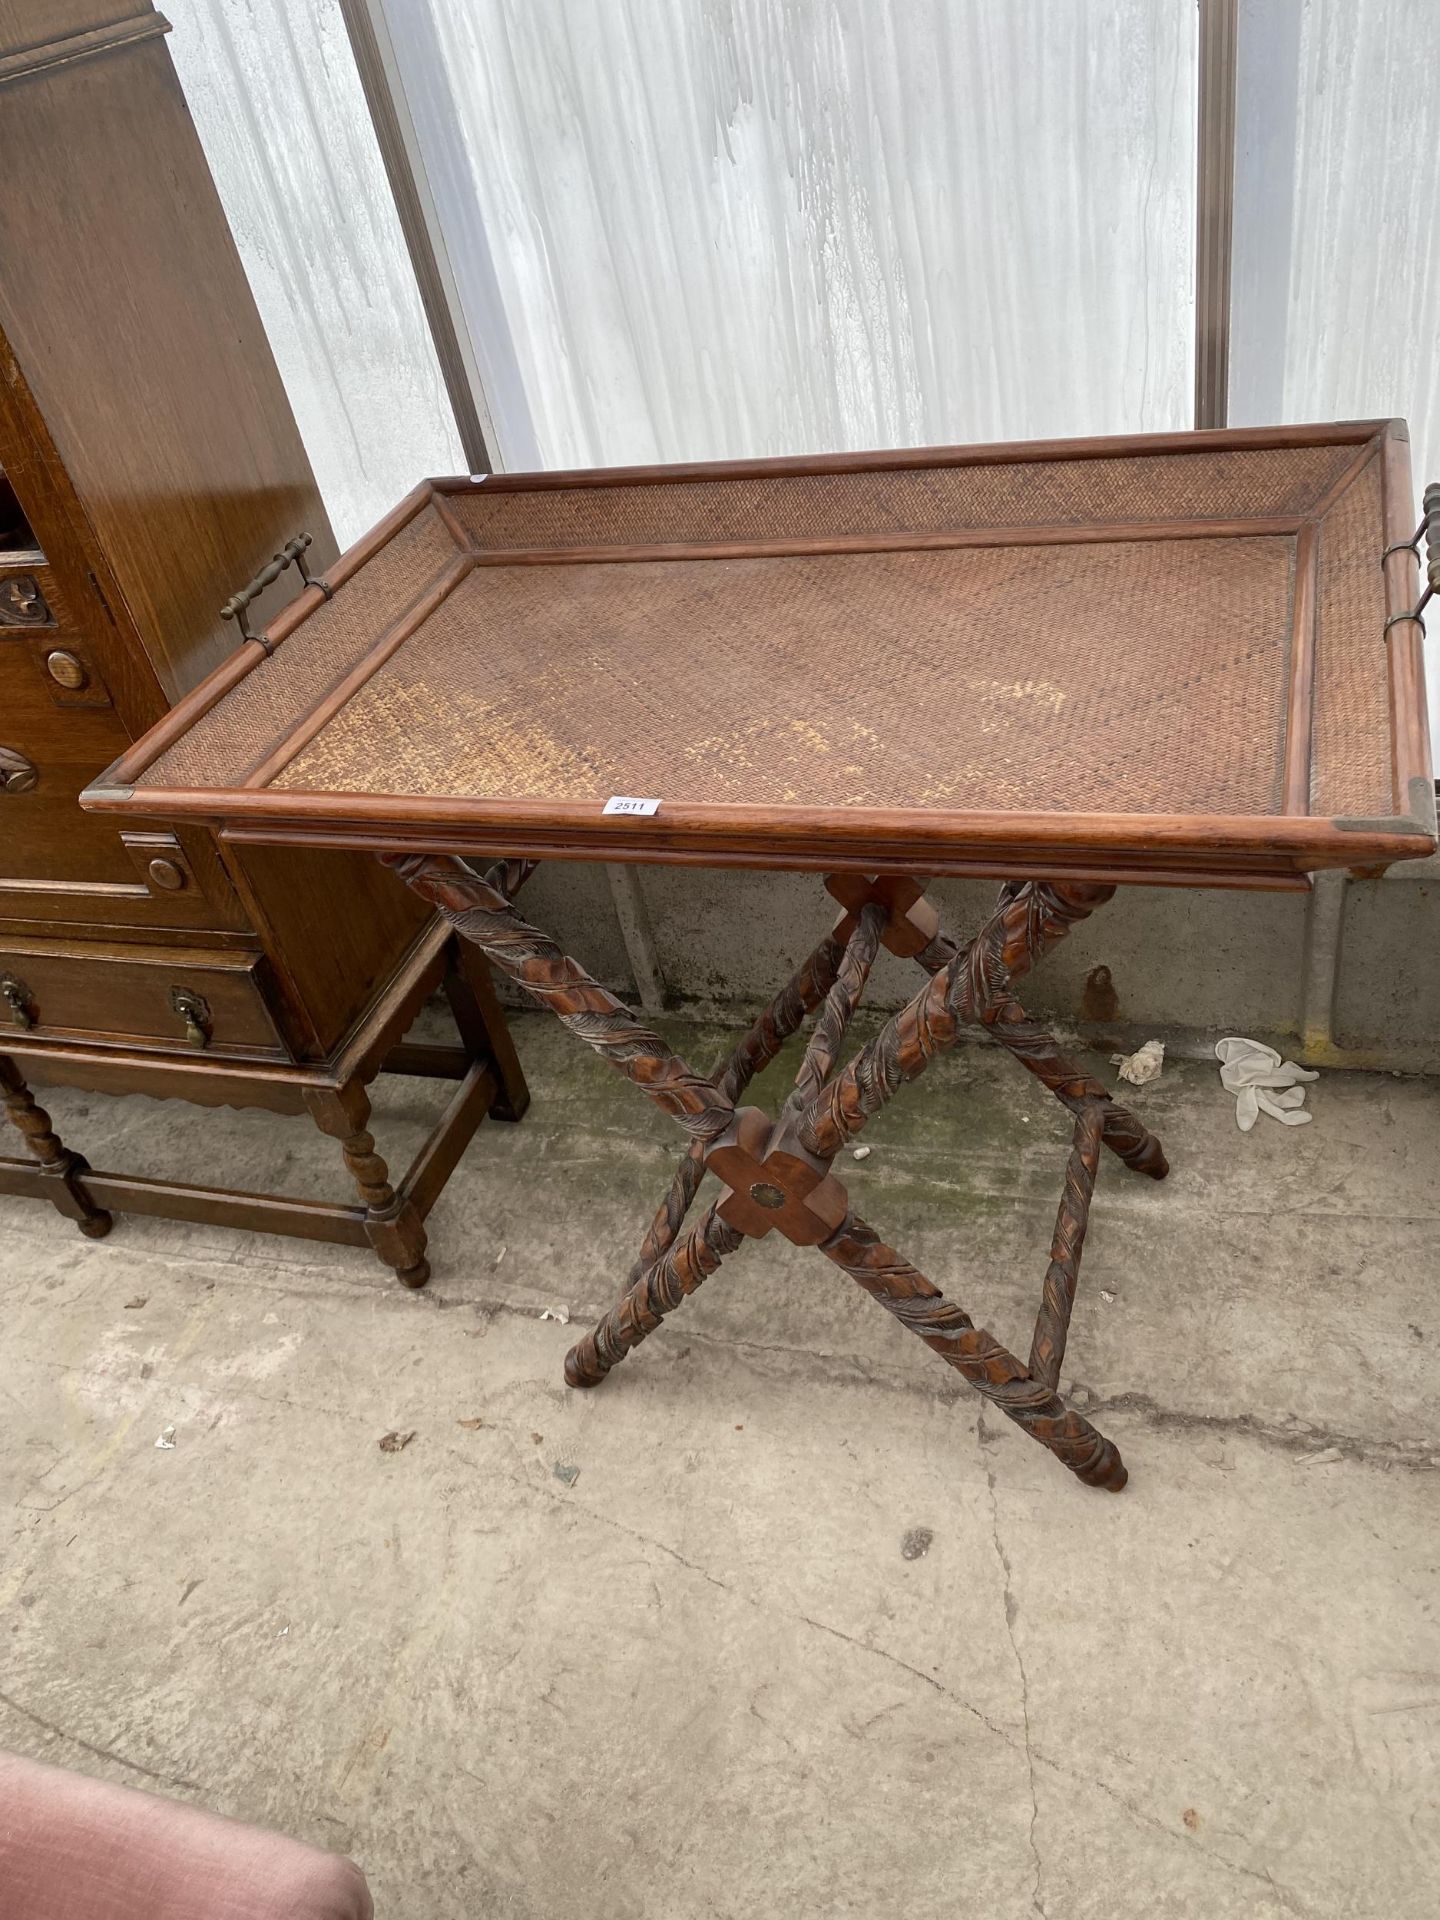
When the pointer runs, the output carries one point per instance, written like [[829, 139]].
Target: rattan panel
[[222, 747], [1217, 485], [1350, 741], [1133, 677]]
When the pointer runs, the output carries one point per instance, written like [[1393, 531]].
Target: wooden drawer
[[55, 625], [129, 995], [60, 864]]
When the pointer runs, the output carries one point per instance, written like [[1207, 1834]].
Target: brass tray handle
[[1428, 531], [292, 554]]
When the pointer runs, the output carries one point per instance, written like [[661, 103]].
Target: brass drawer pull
[[18, 999], [67, 670], [17, 774], [194, 1010]]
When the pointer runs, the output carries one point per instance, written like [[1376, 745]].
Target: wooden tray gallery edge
[[1160, 658]]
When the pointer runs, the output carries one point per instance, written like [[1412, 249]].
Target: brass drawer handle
[[18, 999], [194, 1010], [22, 604], [17, 774]]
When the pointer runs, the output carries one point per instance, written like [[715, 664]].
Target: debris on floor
[[166, 1442], [393, 1442], [562, 1314], [566, 1475], [1262, 1083], [1143, 1065], [860, 1153], [139, 1301], [471, 1426], [916, 1543]]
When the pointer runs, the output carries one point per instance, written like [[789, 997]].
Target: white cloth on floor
[[1254, 1073], [1142, 1066]]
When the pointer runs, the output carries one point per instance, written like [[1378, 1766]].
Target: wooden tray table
[[1186, 660]]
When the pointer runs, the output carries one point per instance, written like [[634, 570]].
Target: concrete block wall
[[1347, 974], [1387, 998]]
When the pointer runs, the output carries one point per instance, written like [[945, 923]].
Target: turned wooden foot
[[393, 1225], [64, 1171]]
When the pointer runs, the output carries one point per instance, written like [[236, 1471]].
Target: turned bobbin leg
[[64, 1171], [392, 1224]]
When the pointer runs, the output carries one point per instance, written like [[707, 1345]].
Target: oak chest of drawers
[[149, 466]]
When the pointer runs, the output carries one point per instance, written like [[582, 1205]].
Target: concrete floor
[[657, 1651]]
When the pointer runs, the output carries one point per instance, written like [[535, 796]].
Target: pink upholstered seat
[[72, 1848]]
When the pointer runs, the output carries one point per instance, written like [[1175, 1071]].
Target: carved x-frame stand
[[777, 1174]]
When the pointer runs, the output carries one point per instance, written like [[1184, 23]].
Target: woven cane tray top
[[1162, 658]]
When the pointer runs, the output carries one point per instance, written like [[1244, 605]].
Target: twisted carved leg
[[1057, 1296], [646, 1301], [972, 983], [990, 1368], [392, 1225], [778, 1175], [481, 911], [991, 1001], [754, 1052], [64, 1170]]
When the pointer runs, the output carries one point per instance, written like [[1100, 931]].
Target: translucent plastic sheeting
[[739, 228], [277, 101], [1336, 296]]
